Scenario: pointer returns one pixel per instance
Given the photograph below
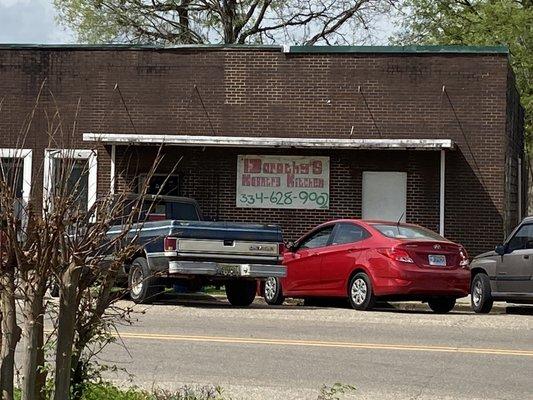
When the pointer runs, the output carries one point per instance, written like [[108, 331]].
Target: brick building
[[294, 136]]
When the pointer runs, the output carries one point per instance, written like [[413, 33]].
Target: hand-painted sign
[[282, 182]]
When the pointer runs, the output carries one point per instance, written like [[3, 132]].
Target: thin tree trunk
[[40, 393], [65, 332], [33, 331], [10, 334]]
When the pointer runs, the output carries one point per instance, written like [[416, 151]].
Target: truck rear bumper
[[229, 270]]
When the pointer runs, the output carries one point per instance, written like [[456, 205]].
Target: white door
[[384, 195]]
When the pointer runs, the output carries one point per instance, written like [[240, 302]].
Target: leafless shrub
[[62, 237]]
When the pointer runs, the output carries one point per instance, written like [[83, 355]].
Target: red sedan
[[373, 260]]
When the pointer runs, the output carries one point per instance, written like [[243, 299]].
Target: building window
[[15, 168], [162, 184], [76, 171]]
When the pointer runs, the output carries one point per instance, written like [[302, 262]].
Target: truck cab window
[[523, 239]]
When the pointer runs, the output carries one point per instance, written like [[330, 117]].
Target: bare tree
[[222, 21], [64, 238]]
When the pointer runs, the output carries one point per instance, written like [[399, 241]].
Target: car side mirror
[[289, 246], [500, 249]]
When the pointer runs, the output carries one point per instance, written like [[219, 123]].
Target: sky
[[31, 21]]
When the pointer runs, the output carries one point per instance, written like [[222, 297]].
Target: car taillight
[[170, 244], [463, 258], [281, 248], [397, 255]]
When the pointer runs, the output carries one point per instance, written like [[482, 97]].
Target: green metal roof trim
[[118, 46], [402, 49], [287, 49]]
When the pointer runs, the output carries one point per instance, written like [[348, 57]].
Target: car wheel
[[241, 293], [54, 288], [360, 292], [442, 305], [481, 297], [141, 282], [273, 293]]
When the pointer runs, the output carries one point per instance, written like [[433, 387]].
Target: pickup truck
[[179, 247]]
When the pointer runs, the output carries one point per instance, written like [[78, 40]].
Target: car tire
[[481, 296], [241, 293], [361, 293], [141, 283], [442, 305], [272, 292], [54, 288]]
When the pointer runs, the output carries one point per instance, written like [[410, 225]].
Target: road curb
[[462, 305]]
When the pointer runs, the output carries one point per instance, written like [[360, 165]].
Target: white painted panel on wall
[[384, 195]]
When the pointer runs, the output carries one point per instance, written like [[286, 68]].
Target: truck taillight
[[170, 244], [282, 248]]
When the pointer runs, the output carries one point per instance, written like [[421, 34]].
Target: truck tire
[[272, 292], [141, 283], [481, 296], [442, 305], [241, 293]]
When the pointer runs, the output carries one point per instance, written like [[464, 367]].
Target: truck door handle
[[502, 273], [526, 256]]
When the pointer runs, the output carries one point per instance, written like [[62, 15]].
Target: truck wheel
[[273, 293], [141, 283], [481, 294], [241, 293], [442, 305]]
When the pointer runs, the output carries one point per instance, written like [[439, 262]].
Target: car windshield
[[406, 232]]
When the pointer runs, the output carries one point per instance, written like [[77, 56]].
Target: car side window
[[523, 239], [319, 238], [349, 233]]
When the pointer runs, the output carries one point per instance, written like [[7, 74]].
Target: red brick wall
[[269, 93]]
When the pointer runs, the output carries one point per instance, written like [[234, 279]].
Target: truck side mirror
[[500, 249]]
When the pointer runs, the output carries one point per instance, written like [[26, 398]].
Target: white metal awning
[[270, 142]]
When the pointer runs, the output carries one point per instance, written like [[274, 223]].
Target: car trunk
[[433, 254]]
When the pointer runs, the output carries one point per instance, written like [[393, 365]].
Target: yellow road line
[[317, 343]]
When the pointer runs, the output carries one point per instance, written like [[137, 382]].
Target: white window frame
[[54, 154], [26, 156]]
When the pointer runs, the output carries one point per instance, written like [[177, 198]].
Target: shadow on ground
[[203, 300]]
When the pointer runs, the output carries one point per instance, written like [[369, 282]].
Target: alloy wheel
[[270, 288], [359, 291], [477, 292]]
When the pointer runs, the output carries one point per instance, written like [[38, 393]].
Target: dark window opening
[[161, 185]]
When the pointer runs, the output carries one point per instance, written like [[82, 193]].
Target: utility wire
[[464, 134], [369, 111], [125, 106], [205, 110]]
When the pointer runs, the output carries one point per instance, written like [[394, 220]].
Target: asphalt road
[[289, 352]]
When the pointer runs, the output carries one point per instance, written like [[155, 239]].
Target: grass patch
[[108, 391]]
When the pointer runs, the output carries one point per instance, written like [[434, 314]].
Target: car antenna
[[398, 222], [399, 219]]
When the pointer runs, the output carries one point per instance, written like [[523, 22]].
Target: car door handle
[[526, 256], [502, 273]]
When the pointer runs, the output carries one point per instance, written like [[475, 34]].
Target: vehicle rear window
[[183, 211], [406, 232]]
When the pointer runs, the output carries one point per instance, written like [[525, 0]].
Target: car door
[[515, 268], [340, 257], [303, 263]]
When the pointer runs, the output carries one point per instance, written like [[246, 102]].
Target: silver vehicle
[[505, 274]]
